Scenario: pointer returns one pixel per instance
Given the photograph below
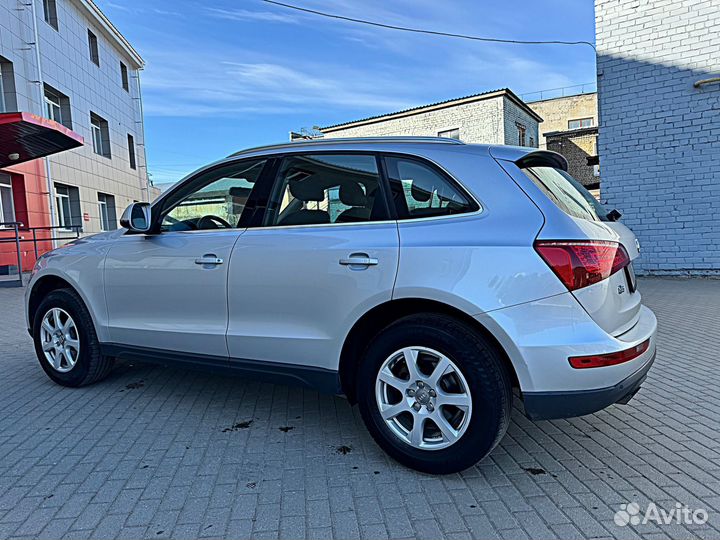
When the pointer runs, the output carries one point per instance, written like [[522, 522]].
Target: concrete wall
[[67, 67], [487, 121], [558, 111], [659, 141]]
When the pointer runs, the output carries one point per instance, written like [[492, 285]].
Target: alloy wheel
[[423, 398], [60, 340]]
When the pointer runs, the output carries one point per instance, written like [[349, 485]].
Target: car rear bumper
[[549, 405]]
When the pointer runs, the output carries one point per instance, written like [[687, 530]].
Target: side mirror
[[137, 217]]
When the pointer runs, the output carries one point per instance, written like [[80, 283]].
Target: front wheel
[[65, 341], [434, 393]]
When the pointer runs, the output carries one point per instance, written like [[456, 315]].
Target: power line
[[429, 32]]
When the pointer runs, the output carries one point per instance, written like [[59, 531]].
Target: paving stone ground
[[165, 453]]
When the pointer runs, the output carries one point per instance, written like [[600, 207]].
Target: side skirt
[[323, 380]]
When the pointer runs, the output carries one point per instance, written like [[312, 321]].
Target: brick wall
[[659, 142]]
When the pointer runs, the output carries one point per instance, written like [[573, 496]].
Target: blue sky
[[226, 75]]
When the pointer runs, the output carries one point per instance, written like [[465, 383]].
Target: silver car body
[[281, 300]]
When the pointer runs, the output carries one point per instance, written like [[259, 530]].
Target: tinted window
[[567, 193], [318, 189], [216, 200], [421, 191]]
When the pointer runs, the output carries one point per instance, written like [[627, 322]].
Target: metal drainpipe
[[142, 131], [41, 98]]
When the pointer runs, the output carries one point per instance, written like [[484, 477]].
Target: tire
[[476, 379], [85, 365]]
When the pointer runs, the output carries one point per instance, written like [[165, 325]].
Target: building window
[[124, 77], [106, 207], [57, 106], [7, 86], [7, 210], [450, 133], [93, 44], [522, 131], [532, 141], [50, 13], [131, 151], [100, 135], [67, 201], [580, 123]]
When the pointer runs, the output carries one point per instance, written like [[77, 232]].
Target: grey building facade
[[64, 60], [658, 65]]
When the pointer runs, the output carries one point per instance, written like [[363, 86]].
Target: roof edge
[[426, 108], [110, 29], [512, 96]]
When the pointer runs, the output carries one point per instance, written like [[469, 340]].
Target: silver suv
[[422, 278]]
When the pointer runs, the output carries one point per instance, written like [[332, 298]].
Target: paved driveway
[[158, 453]]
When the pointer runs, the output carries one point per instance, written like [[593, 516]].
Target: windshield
[[567, 193]]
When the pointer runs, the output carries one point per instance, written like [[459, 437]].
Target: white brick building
[[659, 142], [87, 79], [498, 117]]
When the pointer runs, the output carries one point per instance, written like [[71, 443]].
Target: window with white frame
[[50, 13], [100, 135], [580, 123], [106, 210], [67, 202], [522, 132], [7, 209], [8, 102], [57, 106], [93, 48]]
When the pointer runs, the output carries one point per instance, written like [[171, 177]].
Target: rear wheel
[[434, 393], [65, 341]]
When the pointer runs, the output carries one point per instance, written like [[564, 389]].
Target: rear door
[[323, 254], [572, 213]]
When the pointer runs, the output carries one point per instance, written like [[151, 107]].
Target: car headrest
[[306, 217], [306, 190], [421, 193], [351, 194]]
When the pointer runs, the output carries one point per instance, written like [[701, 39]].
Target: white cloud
[[250, 15]]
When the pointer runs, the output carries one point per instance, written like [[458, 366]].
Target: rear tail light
[[611, 359], [579, 263]]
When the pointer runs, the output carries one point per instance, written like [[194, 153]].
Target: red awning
[[25, 136]]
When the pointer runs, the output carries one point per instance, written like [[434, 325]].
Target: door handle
[[360, 259], [209, 259]]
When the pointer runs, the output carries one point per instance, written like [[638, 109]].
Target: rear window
[[567, 193]]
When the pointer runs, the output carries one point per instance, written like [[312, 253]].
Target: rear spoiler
[[542, 158]]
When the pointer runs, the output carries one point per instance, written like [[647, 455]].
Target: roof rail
[[349, 140]]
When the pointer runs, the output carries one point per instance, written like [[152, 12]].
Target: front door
[[167, 291], [324, 254]]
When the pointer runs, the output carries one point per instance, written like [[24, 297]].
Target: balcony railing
[[39, 235]]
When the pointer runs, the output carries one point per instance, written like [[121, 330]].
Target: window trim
[[277, 166], [447, 130], [160, 207], [266, 181], [61, 211], [580, 120]]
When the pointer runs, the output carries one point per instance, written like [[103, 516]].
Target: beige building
[[498, 117], [566, 113], [569, 127]]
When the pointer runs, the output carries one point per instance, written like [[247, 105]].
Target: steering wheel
[[211, 222]]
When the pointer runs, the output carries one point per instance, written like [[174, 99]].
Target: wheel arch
[[43, 286], [382, 315]]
